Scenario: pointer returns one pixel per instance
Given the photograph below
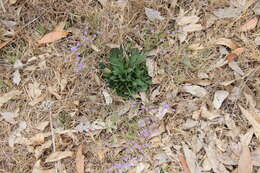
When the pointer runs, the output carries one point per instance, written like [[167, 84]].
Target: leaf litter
[[201, 112]]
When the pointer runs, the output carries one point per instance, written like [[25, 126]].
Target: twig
[[53, 139]]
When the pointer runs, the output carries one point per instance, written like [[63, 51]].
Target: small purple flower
[[79, 64], [94, 35], [142, 124]]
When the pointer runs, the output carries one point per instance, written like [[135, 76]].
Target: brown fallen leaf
[[55, 35], [7, 96], [235, 53], [249, 25], [56, 156], [183, 163], [80, 160], [51, 37], [245, 163], [227, 42]]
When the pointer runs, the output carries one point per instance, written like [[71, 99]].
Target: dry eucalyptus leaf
[[249, 114], [55, 35], [7, 96], [219, 97], [234, 66], [37, 168], [107, 96], [182, 36], [227, 42], [16, 77], [153, 15], [191, 160], [195, 90], [59, 155], [212, 156], [229, 12], [80, 160], [257, 40], [9, 117], [192, 27], [245, 163], [16, 134], [257, 8], [250, 24], [205, 113], [184, 20]]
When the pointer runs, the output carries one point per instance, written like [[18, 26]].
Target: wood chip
[[80, 160]]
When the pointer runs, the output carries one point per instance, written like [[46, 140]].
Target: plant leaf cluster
[[127, 72]]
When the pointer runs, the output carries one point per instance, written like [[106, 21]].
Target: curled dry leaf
[[245, 163], [59, 155], [40, 150], [7, 96], [37, 168], [219, 97], [250, 24], [227, 42], [80, 160]]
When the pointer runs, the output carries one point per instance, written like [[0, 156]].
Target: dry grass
[[81, 98]]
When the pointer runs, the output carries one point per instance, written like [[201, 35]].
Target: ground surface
[[200, 115]]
